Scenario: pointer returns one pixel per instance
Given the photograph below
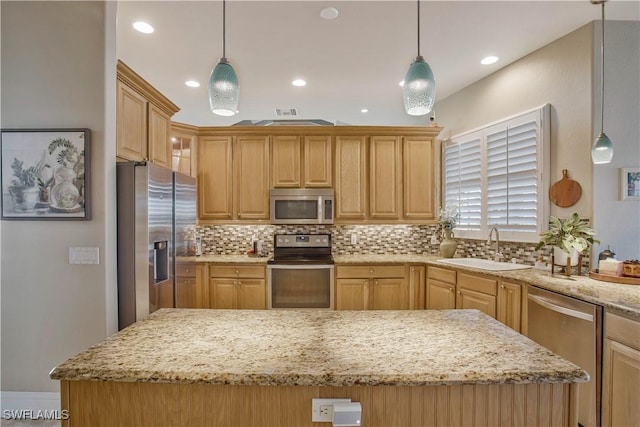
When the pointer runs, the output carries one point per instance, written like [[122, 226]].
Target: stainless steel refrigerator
[[148, 240]]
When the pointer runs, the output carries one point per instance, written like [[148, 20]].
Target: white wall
[[558, 74], [617, 222], [566, 74], [56, 58]]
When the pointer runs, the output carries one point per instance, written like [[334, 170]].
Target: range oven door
[[300, 286]]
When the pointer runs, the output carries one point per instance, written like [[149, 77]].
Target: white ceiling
[[352, 62]]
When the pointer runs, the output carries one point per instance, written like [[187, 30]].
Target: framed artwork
[[630, 184], [45, 174]]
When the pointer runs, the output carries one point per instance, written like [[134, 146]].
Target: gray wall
[[617, 222], [565, 74], [55, 57]]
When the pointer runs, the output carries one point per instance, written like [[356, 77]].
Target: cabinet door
[[352, 294], [351, 177], [417, 287], [389, 294], [214, 178], [222, 293], [384, 177], [159, 143], [252, 294], [183, 154], [467, 299], [510, 305], [131, 119], [440, 295], [317, 161], [252, 179], [418, 178], [202, 296], [285, 161]]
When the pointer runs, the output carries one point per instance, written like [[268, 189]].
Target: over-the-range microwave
[[302, 205]]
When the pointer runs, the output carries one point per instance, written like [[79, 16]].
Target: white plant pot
[[560, 257]]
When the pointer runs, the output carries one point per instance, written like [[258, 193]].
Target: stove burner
[[302, 249]]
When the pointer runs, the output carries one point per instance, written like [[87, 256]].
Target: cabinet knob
[[371, 270], [235, 282], [188, 271], [502, 286], [375, 282], [459, 292], [237, 272], [240, 282], [450, 289]]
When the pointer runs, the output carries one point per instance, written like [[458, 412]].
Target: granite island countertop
[[332, 348]]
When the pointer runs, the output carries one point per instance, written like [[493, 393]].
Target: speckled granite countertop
[[620, 297], [332, 348], [232, 259]]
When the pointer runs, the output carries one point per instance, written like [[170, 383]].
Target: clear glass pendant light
[[602, 148], [224, 90], [419, 90]]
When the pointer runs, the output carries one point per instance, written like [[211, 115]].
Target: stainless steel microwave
[[302, 205]]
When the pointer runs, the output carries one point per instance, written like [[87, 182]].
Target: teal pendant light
[[602, 148], [419, 90], [224, 91]]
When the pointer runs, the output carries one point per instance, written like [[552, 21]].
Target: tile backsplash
[[369, 239]]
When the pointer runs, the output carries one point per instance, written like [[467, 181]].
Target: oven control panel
[[303, 240]]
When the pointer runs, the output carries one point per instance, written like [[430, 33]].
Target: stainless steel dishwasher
[[572, 329]]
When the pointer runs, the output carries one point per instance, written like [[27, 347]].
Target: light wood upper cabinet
[[184, 141], [385, 185], [159, 137], [317, 161], [418, 183], [131, 121], [215, 183], [252, 177], [285, 160], [351, 177], [143, 119]]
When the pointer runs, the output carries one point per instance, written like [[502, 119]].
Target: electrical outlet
[[354, 239], [322, 409]]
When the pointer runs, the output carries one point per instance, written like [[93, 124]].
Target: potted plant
[[569, 239], [23, 190]]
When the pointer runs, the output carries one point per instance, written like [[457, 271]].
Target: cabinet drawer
[[247, 271], [623, 330], [479, 284], [442, 274], [185, 270], [366, 271]]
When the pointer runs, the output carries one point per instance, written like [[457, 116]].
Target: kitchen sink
[[484, 264]]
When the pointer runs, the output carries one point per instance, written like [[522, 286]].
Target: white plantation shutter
[[463, 180], [495, 176]]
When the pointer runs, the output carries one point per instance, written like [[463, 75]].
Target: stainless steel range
[[300, 273]]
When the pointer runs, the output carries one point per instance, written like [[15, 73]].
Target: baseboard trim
[[35, 401]]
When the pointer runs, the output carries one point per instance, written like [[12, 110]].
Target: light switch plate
[[78, 255]]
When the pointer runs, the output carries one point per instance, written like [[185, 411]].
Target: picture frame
[[45, 174], [630, 184]]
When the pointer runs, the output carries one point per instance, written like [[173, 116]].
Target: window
[[496, 176]]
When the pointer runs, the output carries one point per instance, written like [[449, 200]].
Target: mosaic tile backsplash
[[369, 239]]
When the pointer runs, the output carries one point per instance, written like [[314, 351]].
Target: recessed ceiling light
[[143, 27], [299, 82], [364, 110], [489, 60], [329, 13], [401, 84], [192, 83]]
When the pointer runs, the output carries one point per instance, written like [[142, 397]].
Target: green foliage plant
[[572, 233]]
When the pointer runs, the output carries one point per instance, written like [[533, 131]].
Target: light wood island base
[[142, 404]]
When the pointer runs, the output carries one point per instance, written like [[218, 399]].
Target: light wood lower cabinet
[[501, 299], [237, 286], [417, 287], [372, 287], [621, 372]]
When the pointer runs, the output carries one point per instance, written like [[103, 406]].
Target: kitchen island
[[182, 367]]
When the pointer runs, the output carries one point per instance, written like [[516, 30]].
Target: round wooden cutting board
[[565, 192]]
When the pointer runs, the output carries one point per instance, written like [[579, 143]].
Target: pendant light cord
[[418, 27], [224, 28], [602, 73]]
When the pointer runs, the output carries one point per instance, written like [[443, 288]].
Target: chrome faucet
[[498, 256]]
